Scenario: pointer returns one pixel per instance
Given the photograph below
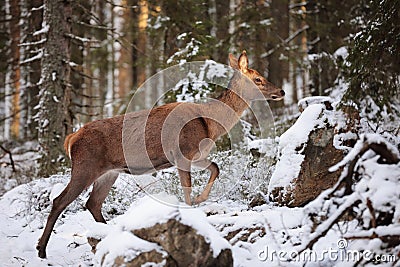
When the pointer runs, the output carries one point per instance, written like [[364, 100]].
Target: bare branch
[[86, 105], [85, 95], [11, 158], [351, 201], [88, 114], [101, 27], [81, 39], [372, 212], [285, 41]]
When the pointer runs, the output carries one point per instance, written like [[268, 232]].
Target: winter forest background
[[67, 62]]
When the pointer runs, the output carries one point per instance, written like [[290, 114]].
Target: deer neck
[[233, 99], [226, 110]]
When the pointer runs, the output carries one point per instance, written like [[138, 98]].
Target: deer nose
[[282, 93]]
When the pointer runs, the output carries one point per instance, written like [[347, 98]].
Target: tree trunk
[[104, 57], [139, 18], [125, 60], [4, 50], [304, 52], [278, 65], [111, 77], [30, 70], [55, 90], [142, 41], [221, 28], [298, 71], [278, 71], [15, 32]]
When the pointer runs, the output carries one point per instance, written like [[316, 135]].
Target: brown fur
[[180, 134]]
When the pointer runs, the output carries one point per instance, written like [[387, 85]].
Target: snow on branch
[[44, 29], [372, 194], [42, 41], [81, 39], [121, 5], [37, 8], [386, 233], [374, 142], [324, 227], [36, 57]]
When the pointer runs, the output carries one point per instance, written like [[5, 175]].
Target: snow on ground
[[25, 158], [22, 217], [263, 236]]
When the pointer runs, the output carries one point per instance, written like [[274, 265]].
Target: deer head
[[269, 91]]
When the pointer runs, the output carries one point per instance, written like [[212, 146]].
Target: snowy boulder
[[158, 231], [307, 101], [308, 149]]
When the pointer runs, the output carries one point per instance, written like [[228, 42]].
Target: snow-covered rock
[[160, 231], [308, 149]]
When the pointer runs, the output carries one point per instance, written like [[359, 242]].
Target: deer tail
[[67, 144]]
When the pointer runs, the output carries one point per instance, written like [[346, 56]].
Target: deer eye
[[257, 80]]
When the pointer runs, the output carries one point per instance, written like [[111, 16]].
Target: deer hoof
[[41, 252]]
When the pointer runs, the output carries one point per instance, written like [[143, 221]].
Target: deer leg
[[70, 193], [186, 183], [101, 187], [186, 180], [79, 182], [213, 168]]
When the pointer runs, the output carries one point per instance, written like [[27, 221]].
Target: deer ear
[[243, 62], [233, 62]]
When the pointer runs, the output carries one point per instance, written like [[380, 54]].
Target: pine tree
[[329, 26], [53, 117], [374, 56]]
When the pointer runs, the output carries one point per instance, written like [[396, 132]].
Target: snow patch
[[149, 211], [56, 190]]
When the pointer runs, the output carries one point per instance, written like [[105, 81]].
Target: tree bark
[[125, 61], [4, 37], [30, 69], [15, 32], [55, 89]]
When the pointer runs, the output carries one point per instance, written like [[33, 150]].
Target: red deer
[[175, 134]]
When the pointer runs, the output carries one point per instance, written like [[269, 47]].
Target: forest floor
[[319, 234], [262, 236]]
